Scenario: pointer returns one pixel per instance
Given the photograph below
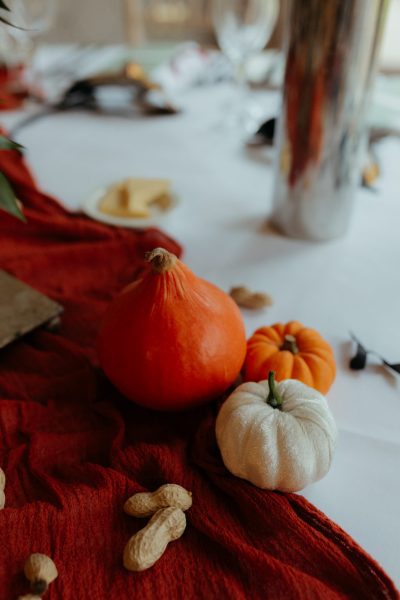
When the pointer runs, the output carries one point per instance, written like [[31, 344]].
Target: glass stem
[[33, 75], [241, 81]]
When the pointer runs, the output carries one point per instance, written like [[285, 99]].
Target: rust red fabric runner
[[74, 450], [12, 89]]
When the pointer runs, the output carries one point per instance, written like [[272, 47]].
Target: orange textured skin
[[172, 341], [314, 364]]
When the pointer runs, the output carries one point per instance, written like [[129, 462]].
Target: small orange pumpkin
[[293, 352]]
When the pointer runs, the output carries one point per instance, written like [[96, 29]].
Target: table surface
[[349, 284]]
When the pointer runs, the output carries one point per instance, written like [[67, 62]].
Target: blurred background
[[140, 21], [155, 31]]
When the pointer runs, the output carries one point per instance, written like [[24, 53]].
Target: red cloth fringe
[[74, 450]]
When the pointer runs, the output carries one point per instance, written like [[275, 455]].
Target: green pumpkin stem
[[274, 398]]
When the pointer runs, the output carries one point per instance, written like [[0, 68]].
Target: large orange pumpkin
[[172, 340], [293, 352]]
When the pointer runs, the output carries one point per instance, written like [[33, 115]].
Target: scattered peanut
[[40, 570], [148, 545], [146, 504], [245, 298]]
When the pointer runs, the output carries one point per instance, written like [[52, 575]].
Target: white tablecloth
[[349, 284]]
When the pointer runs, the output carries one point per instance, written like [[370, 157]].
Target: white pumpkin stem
[[274, 398], [161, 260], [290, 344]]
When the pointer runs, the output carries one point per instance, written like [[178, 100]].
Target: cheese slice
[[133, 197]]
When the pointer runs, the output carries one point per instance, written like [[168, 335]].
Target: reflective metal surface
[[331, 57]]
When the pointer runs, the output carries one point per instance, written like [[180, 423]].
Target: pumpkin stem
[[161, 260], [274, 398], [290, 344]]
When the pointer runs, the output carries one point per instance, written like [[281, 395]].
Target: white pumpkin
[[283, 448]]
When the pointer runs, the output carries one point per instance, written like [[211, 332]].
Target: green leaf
[[7, 144], [3, 6], [8, 201]]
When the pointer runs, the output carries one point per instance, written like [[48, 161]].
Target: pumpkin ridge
[[306, 375], [311, 336], [270, 415], [171, 284], [323, 371], [327, 363], [279, 328], [327, 358], [322, 353], [312, 348], [293, 328], [309, 356], [236, 413], [267, 350], [282, 363], [283, 456], [316, 424], [268, 334], [255, 365], [257, 344]]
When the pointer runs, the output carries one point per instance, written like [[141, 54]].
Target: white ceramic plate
[[90, 207]]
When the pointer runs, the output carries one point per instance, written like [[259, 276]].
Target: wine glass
[[35, 17], [243, 28]]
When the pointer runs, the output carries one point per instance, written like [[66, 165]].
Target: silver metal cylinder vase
[[332, 48]]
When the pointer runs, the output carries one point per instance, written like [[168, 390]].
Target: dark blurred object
[[264, 136], [142, 93], [120, 94], [359, 361]]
